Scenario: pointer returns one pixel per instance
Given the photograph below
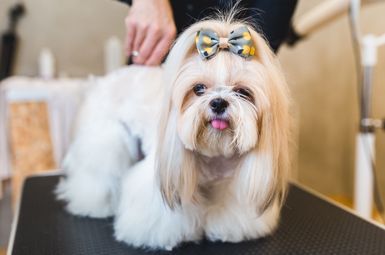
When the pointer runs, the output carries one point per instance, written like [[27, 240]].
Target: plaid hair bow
[[238, 42]]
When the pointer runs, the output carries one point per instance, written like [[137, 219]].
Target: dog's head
[[226, 104]]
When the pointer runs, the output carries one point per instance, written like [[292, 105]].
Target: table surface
[[309, 225]]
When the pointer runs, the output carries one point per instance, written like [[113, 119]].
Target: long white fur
[[194, 181]]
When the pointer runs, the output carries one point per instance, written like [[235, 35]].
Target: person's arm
[[150, 30]]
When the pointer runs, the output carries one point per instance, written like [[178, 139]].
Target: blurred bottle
[[46, 64]]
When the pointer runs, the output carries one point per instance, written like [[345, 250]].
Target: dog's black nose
[[218, 105]]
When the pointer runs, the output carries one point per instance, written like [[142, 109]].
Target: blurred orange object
[[30, 142]]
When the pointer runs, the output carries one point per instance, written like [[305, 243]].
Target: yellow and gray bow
[[239, 42]]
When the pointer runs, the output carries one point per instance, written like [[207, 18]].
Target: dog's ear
[[264, 172], [175, 165]]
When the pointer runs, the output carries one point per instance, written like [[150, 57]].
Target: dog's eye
[[244, 93], [199, 89]]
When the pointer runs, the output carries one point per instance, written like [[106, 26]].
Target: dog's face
[[227, 105], [220, 103]]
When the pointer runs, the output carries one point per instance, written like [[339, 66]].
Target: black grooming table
[[309, 225]]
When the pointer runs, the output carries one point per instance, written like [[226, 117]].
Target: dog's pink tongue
[[219, 124]]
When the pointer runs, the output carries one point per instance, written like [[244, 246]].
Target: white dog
[[213, 126]]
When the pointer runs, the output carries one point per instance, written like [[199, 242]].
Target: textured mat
[[309, 225]]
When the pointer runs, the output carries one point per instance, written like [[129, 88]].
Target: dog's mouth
[[219, 123]]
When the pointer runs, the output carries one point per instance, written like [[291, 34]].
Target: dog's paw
[[240, 224], [93, 209], [84, 200], [234, 233]]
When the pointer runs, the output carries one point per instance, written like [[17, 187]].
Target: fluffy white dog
[[213, 126]]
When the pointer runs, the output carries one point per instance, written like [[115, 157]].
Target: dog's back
[[109, 125]]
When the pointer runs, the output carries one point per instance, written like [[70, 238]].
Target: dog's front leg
[[94, 166], [233, 221]]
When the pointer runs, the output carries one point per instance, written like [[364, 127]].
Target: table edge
[[293, 182]]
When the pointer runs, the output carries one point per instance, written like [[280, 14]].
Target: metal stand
[[366, 49]]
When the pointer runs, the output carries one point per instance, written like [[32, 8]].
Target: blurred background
[[73, 36]]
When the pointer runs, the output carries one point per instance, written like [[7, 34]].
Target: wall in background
[[320, 71], [321, 75], [74, 30]]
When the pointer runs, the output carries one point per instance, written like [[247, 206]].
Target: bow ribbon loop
[[239, 42]]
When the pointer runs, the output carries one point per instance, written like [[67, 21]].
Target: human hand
[[150, 31]]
